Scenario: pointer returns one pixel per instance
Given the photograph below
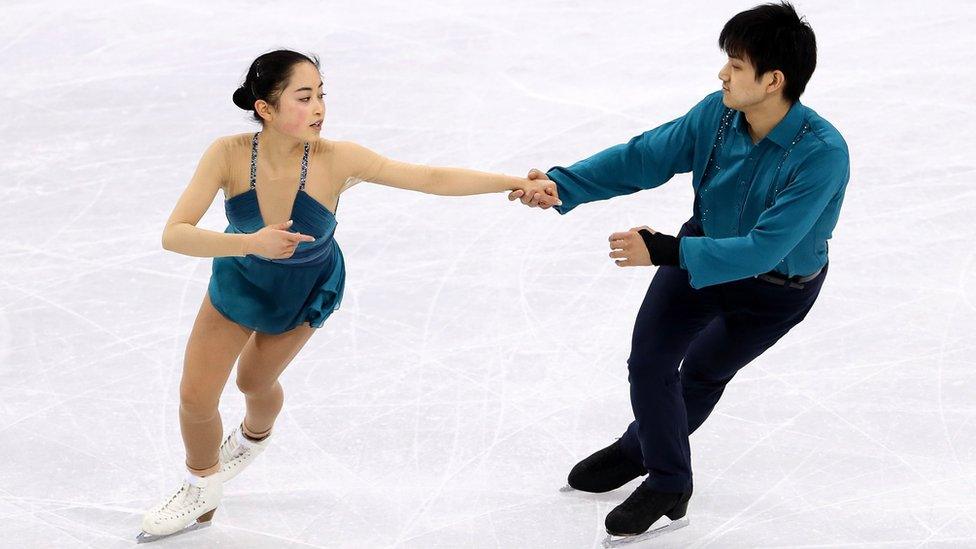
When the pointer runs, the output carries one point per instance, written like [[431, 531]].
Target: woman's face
[[301, 110]]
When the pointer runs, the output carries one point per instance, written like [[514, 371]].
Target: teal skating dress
[[276, 295]]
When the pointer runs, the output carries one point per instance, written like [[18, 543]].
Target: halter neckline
[[254, 163]]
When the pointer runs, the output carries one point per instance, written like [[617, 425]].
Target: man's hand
[[628, 248], [539, 192]]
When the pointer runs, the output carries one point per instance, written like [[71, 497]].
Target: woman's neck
[[278, 148]]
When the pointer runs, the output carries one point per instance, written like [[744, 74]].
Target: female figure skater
[[277, 271]]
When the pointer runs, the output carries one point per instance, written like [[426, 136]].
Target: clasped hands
[[626, 248]]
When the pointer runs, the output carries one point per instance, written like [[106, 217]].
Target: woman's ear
[[264, 110]]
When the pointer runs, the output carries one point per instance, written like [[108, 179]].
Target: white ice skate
[[190, 508], [237, 452], [617, 541]]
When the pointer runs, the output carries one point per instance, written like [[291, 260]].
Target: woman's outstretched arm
[[366, 165]]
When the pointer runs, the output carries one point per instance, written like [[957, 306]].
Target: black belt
[[797, 282]]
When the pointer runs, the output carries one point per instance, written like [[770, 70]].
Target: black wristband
[[663, 248]]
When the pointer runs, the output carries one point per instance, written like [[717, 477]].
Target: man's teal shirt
[[769, 206]]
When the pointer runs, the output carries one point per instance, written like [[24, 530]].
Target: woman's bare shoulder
[[235, 143], [323, 147], [350, 153], [352, 162], [231, 151]]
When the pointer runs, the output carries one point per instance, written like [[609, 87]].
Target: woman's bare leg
[[263, 359], [214, 345]]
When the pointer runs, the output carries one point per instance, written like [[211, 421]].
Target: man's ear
[[777, 81]]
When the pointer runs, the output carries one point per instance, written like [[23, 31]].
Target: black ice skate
[[629, 521], [605, 470]]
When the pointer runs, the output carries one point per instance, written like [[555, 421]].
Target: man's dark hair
[[773, 37]]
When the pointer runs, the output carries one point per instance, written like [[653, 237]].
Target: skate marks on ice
[[5, 342], [618, 541]]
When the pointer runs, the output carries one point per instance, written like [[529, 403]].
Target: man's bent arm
[[779, 229]]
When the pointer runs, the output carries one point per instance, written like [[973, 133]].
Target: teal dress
[[276, 295]]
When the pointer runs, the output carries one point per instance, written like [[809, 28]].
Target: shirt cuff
[[561, 182], [663, 248]]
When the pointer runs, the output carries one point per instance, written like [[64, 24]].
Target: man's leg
[[672, 314], [762, 313]]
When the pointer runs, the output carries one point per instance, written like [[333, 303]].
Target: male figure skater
[[769, 176]]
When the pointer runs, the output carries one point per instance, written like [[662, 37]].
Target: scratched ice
[[480, 350]]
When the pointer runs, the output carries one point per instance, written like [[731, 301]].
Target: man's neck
[[764, 116]]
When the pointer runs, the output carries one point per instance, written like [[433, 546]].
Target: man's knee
[[697, 379], [697, 373], [656, 355], [660, 370]]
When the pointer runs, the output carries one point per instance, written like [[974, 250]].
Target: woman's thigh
[[214, 344], [265, 356]]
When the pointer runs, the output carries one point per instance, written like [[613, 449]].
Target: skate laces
[[228, 449], [233, 449], [237, 448], [183, 502], [165, 505]]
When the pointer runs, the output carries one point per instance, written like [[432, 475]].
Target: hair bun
[[244, 99]]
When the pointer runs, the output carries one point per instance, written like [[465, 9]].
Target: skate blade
[[567, 488], [616, 541], [145, 537]]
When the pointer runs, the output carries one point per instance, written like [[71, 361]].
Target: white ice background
[[480, 350]]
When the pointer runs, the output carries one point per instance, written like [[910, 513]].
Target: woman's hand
[[275, 241], [538, 190]]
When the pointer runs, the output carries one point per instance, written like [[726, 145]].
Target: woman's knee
[[254, 384], [198, 403]]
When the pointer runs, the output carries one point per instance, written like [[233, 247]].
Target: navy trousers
[[711, 333]]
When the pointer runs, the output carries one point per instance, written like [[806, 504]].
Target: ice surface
[[480, 350]]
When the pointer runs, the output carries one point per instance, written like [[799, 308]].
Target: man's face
[[740, 90]]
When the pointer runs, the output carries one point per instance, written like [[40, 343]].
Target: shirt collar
[[784, 132], [788, 127], [739, 123]]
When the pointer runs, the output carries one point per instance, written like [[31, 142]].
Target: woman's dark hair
[[267, 78], [773, 37]]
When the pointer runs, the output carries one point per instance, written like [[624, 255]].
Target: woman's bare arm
[[364, 164], [181, 235]]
